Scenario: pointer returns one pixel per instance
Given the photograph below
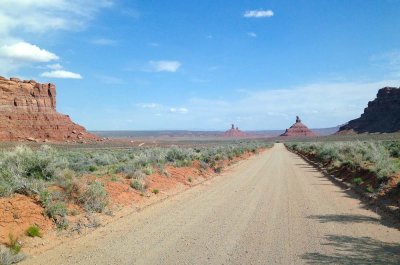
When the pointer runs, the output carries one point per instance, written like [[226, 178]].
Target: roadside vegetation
[[36, 172], [30, 172], [57, 178], [371, 165]]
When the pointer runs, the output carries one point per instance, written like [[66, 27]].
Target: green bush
[[155, 191], [358, 181], [33, 231]]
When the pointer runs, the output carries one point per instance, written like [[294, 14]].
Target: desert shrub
[[357, 181], [61, 222], [218, 170], [29, 171], [71, 185], [104, 158], [393, 148], [33, 231], [183, 163], [155, 191], [203, 165], [138, 185], [148, 170], [372, 155], [23, 170], [94, 197], [55, 209], [52, 206], [24, 162], [177, 154], [369, 189], [8, 256]]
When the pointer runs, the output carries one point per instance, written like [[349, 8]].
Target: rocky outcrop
[[28, 112], [381, 116], [234, 132], [298, 130]]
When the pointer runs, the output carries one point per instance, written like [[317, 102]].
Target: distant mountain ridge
[[189, 133]]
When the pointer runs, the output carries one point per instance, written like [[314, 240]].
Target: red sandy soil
[[18, 212]]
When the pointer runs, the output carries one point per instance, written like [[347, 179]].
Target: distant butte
[[28, 113], [381, 116], [298, 130], [234, 132]]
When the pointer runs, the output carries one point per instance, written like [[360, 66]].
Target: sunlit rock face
[[28, 112], [298, 130]]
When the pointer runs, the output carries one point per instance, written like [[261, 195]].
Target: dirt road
[[271, 209]]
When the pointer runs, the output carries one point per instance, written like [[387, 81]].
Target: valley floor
[[273, 208]]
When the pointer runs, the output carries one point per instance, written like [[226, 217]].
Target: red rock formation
[[28, 112], [234, 132], [381, 116], [298, 130]]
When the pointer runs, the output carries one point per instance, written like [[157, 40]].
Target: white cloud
[[56, 66], [252, 34], [258, 13], [148, 105], [26, 52], [179, 110], [104, 42], [61, 74], [41, 16], [164, 66], [21, 18], [389, 62], [318, 104]]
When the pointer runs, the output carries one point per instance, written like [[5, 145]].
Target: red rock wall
[[28, 112], [381, 116]]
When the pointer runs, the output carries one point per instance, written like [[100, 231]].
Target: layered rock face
[[298, 130], [381, 116], [234, 132], [28, 112]]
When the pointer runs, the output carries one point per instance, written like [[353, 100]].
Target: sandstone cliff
[[381, 116], [28, 112], [298, 130]]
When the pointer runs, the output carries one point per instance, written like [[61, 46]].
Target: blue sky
[[204, 64]]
